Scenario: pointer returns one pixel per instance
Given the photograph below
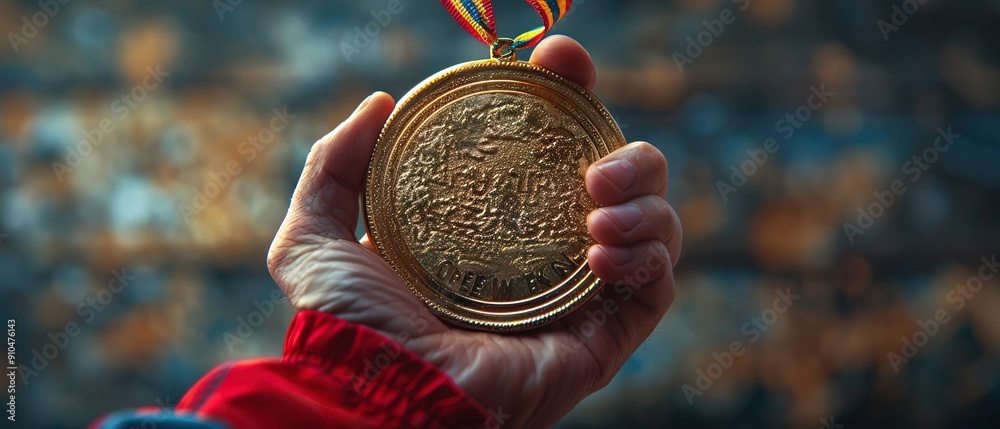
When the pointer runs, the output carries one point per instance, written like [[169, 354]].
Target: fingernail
[[620, 172], [362, 105], [626, 216], [619, 255]]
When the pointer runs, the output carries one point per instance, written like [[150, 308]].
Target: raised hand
[[535, 377]]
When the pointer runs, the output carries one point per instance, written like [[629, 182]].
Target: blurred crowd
[[157, 145]]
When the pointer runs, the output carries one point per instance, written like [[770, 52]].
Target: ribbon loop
[[476, 17], [503, 49]]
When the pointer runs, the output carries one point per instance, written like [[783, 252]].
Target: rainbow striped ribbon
[[476, 17]]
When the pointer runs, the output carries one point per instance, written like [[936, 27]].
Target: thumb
[[325, 205]]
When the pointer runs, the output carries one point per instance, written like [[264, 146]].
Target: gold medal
[[475, 192]]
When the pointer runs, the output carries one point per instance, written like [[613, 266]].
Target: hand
[[538, 376]]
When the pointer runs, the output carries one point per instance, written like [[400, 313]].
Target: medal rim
[[576, 289]]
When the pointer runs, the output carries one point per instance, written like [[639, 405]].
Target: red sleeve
[[334, 374]]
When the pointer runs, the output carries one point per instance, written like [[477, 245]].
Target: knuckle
[[655, 211], [645, 147], [647, 151], [275, 258], [665, 217], [655, 205], [662, 169], [654, 166], [601, 381], [676, 229], [277, 266]]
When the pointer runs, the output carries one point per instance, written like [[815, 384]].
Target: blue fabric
[[161, 420]]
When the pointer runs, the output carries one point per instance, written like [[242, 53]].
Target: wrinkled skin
[[535, 377]]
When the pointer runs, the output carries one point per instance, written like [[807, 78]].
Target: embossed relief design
[[492, 196]]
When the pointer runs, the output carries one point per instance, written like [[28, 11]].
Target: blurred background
[[135, 211]]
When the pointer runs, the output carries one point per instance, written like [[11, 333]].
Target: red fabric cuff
[[334, 374], [384, 374]]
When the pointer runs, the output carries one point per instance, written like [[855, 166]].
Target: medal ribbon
[[476, 17]]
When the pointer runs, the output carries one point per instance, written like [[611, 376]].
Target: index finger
[[566, 57]]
